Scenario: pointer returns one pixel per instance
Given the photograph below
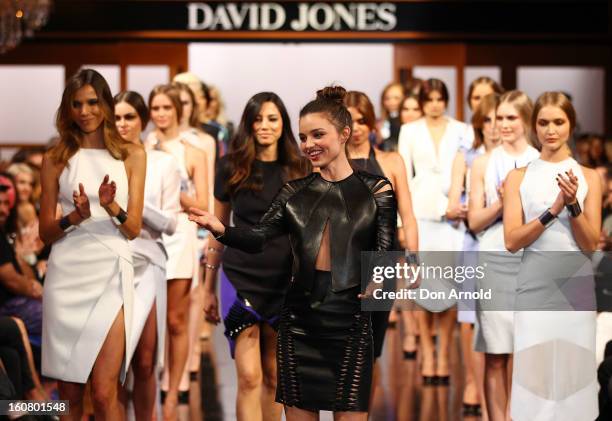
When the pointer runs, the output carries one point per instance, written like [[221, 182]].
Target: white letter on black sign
[[386, 13], [267, 9], [343, 14], [194, 10], [366, 14], [301, 22], [328, 16], [237, 15], [221, 18]]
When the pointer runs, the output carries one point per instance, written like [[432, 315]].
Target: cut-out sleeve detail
[[386, 216]]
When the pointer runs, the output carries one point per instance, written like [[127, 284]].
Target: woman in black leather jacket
[[325, 340]]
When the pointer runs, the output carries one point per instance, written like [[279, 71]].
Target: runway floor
[[399, 396]]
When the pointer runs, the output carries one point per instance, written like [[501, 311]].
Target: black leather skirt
[[324, 349]]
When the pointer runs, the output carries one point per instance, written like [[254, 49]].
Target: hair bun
[[332, 93]]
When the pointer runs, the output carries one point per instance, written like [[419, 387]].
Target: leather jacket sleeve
[[271, 225], [386, 216]]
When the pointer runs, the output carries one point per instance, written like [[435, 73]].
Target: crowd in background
[[23, 255]]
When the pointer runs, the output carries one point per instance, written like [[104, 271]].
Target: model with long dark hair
[[262, 157], [325, 350]]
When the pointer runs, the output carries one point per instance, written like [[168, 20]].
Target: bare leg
[[143, 365], [409, 322], [350, 416], [73, 393], [496, 385], [296, 414], [479, 370], [249, 372], [105, 374], [446, 322], [425, 319], [470, 391], [38, 393], [178, 306], [271, 410]]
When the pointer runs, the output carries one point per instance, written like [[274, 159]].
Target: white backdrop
[[293, 71]]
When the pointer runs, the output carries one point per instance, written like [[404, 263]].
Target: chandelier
[[19, 19]]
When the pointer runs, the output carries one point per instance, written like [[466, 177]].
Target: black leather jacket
[[361, 210]]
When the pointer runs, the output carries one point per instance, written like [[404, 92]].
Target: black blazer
[[361, 210]]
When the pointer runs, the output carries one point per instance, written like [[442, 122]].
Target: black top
[[370, 164], [361, 210], [7, 256], [390, 144], [260, 278]]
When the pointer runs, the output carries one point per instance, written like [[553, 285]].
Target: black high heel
[[410, 355], [430, 380], [471, 410]]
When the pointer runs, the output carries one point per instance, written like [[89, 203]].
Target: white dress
[[429, 178], [90, 274], [161, 207], [554, 375], [182, 246], [495, 317]]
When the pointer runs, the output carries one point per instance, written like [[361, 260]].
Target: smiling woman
[[262, 157], [325, 350], [89, 287]]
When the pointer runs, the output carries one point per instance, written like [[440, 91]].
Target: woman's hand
[[81, 202], [457, 212], [211, 307], [207, 220], [106, 192], [569, 186]]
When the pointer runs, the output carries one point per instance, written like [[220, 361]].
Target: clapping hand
[[106, 192], [81, 202], [568, 185]]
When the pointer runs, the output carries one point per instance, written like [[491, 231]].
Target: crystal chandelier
[[19, 19]]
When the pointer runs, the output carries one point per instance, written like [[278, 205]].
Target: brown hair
[[489, 103], [483, 80], [242, 150], [70, 134], [195, 112], [135, 100], [330, 101], [173, 95], [555, 99], [383, 111], [523, 105], [430, 86], [361, 103]]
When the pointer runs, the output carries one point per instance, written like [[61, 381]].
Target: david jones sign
[[292, 16]]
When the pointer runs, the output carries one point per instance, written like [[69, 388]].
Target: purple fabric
[[29, 310], [229, 299]]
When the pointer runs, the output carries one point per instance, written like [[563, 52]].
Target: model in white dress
[[554, 374], [90, 274], [429, 177], [495, 317], [161, 207], [182, 247]]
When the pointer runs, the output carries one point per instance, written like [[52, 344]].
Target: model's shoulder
[[374, 182]]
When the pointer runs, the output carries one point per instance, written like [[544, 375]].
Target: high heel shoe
[[410, 355], [471, 410]]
